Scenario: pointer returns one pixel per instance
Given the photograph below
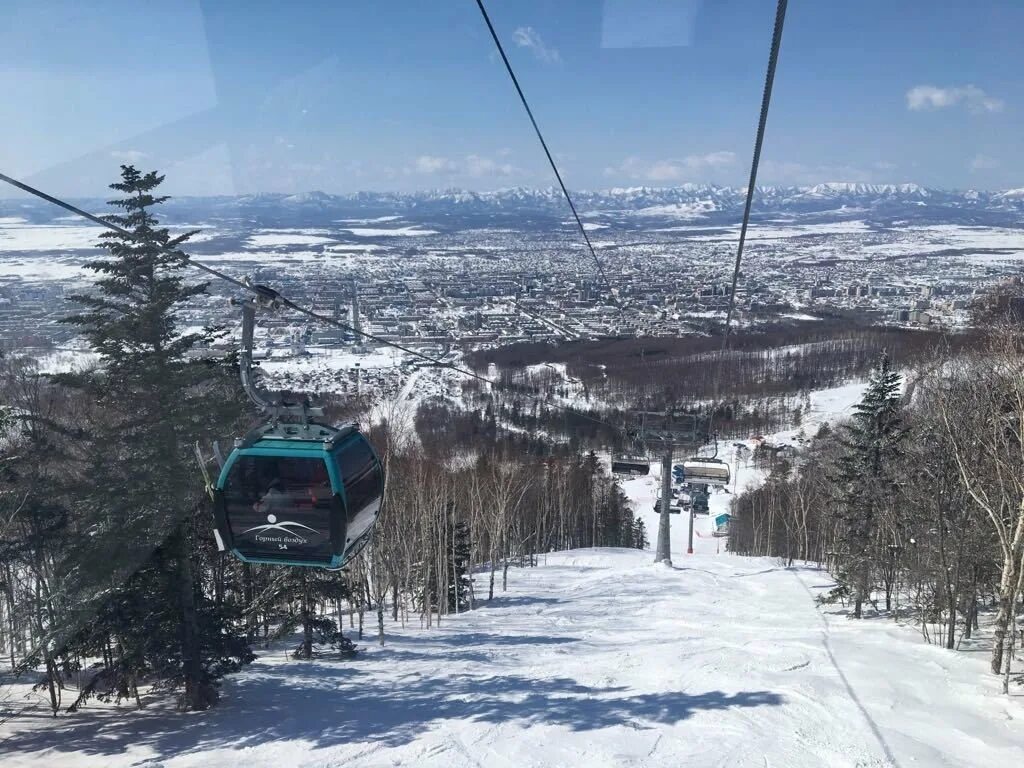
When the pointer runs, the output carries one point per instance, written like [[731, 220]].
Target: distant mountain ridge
[[714, 205], [698, 198]]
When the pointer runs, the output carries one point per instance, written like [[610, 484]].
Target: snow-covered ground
[[595, 657]]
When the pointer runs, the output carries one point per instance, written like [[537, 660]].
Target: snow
[[596, 657], [15, 235], [694, 210], [410, 231], [377, 220], [43, 269], [769, 232], [272, 238], [68, 360], [941, 237], [330, 359], [368, 248]]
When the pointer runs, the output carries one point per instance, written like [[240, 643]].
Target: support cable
[[766, 97], [547, 152]]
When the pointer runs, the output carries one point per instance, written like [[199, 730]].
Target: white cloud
[[128, 155], [432, 164], [930, 97], [673, 169], [528, 37], [983, 163], [475, 166]]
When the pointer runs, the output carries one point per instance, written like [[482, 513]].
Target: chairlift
[[631, 465], [674, 507], [706, 471], [295, 491], [699, 500]]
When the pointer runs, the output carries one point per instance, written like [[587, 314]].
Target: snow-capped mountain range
[[697, 198], [884, 203]]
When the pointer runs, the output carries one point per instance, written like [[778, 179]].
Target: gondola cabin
[[706, 472], [631, 465], [298, 494]]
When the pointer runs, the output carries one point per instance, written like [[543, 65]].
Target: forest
[[758, 386], [916, 504]]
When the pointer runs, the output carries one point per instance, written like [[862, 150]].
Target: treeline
[[756, 386], [110, 582], [916, 505]]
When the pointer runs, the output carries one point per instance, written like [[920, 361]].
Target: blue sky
[[232, 97]]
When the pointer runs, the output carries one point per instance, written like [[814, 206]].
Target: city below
[[451, 271]]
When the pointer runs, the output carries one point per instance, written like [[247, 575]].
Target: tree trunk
[[307, 626], [249, 595], [197, 696], [1006, 589]]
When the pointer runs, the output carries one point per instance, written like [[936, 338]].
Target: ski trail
[[597, 657], [827, 643]]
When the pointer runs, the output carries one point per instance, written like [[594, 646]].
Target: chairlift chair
[[705, 471], [631, 465]]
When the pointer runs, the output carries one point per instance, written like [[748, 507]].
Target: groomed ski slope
[[592, 658]]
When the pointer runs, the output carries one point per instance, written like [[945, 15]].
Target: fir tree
[[153, 400], [640, 540], [300, 591], [458, 587], [866, 482]]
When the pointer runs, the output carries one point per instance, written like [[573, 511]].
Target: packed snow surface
[[593, 658]]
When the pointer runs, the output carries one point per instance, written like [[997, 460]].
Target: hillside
[[594, 657]]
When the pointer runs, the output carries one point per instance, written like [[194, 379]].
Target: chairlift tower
[[665, 433]]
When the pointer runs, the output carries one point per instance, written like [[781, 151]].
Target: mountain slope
[[595, 657]]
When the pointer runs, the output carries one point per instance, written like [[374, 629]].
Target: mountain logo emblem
[[273, 525]]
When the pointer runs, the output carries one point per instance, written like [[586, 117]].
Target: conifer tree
[[866, 482], [458, 587], [154, 399]]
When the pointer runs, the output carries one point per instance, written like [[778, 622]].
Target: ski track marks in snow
[[593, 658]]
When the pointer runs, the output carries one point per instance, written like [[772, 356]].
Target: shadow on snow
[[331, 704]]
